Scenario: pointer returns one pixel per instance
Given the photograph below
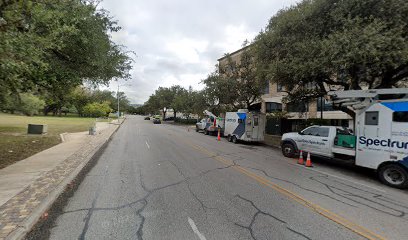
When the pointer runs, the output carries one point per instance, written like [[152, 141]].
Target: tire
[[394, 175], [234, 139], [229, 138], [196, 129], [206, 132], [288, 150]]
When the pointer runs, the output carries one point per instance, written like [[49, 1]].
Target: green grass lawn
[[16, 145]]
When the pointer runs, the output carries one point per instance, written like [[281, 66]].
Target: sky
[[178, 42]]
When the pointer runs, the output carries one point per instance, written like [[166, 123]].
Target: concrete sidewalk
[[29, 187]]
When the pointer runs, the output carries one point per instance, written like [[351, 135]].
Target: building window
[[273, 107], [310, 86], [297, 107], [327, 106], [279, 87], [266, 90]]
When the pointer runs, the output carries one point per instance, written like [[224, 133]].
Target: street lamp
[[117, 96]]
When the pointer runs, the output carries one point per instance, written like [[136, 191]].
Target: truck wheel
[[206, 132], [393, 175], [196, 129], [288, 150], [234, 139], [229, 138]]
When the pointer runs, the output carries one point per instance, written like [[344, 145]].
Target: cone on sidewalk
[[308, 161], [219, 135], [301, 161]]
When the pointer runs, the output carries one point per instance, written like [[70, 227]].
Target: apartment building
[[297, 114]]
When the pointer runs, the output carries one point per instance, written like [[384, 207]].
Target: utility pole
[[117, 95], [321, 107]]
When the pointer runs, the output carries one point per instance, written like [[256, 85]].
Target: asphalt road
[[164, 182]]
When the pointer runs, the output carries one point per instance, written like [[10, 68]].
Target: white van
[[244, 126]]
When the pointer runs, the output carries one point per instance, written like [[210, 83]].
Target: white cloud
[[179, 41]]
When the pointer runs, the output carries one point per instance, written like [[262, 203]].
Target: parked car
[[147, 118], [156, 121]]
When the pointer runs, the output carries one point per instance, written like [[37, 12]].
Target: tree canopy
[[340, 44], [235, 83], [179, 99], [53, 46]]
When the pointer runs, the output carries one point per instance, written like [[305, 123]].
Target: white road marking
[[195, 229], [147, 145], [348, 180]]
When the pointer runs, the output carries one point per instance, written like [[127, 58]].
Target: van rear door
[[374, 135]]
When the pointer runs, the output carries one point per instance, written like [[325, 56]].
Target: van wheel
[[205, 131], [288, 150], [229, 138], [234, 139], [394, 175]]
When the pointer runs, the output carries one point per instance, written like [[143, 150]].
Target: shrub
[[190, 121], [97, 109], [30, 104]]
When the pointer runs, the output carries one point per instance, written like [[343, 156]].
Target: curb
[[35, 218]]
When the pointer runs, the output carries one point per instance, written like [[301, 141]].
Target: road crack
[[301, 187], [349, 195], [260, 212]]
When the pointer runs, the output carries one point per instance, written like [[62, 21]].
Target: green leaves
[[239, 82], [57, 45], [177, 98], [335, 43]]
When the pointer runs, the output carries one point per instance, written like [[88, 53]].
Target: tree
[[96, 109], [319, 45], [54, 46], [198, 102], [236, 84], [177, 98], [180, 99], [30, 104], [80, 97]]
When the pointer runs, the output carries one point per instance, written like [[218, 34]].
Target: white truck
[[210, 124], [244, 126], [381, 134]]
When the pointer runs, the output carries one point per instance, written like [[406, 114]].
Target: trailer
[[380, 141], [244, 126]]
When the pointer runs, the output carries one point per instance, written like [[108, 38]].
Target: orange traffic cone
[[219, 135], [308, 161], [300, 161]]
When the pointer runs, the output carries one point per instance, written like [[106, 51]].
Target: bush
[[97, 109], [30, 104], [190, 121]]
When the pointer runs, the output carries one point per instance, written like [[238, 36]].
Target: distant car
[[147, 118], [156, 121]]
